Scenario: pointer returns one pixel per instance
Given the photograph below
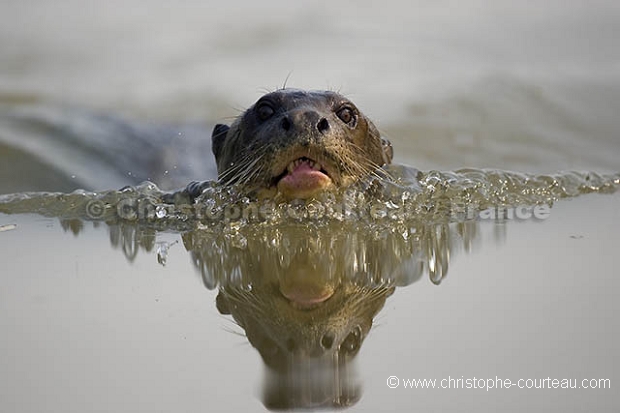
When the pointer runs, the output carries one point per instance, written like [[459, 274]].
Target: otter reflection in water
[[307, 304]]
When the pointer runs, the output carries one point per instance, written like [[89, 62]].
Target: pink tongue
[[304, 176], [303, 181], [304, 287], [306, 294]]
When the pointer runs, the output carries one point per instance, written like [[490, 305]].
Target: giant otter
[[305, 317], [297, 143]]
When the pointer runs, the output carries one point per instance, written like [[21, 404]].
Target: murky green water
[[112, 300]]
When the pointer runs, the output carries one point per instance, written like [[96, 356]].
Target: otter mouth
[[302, 178]]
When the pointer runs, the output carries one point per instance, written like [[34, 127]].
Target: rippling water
[[407, 196], [462, 267]]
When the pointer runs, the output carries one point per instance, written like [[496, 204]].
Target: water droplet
[[161, 212], [162, 253]]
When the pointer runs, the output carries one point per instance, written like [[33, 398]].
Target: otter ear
[[388, 151], [217, 138]]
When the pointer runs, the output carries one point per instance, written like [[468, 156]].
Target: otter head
[[299, 143]]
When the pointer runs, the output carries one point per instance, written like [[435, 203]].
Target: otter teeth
[[294, 164]]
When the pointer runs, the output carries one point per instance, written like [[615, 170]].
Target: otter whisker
[[241, 169]]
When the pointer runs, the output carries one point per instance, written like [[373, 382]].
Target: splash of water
[[410, 197]]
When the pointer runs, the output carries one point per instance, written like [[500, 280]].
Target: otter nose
[[305, 120]]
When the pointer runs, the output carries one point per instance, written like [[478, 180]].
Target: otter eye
[[346, 115], [264, 111], [352, 342]]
